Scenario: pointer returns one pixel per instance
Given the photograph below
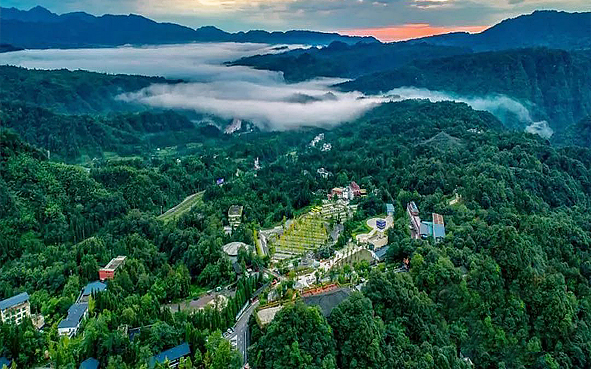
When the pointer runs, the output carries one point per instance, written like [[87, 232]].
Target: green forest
[[509, 287]]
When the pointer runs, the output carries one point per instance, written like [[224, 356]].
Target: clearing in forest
[[183, 207]]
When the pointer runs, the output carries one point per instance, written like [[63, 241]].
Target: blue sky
[[327, 15]]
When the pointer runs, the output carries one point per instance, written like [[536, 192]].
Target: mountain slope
[[341, 60], [578, 134], [40, 28], [556, 82], [548, 28], [73, 92]]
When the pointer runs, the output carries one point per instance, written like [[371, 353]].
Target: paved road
[[241, 331]]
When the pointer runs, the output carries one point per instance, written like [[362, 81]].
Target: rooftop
[[115, 263], [381, 253], [235, 210], [389, 208], [171, 354], [14, 300], [232, 248], [75, 314], [92, 287], [90, 363], [329, 300]]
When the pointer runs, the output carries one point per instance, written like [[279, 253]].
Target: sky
[[386, 19]]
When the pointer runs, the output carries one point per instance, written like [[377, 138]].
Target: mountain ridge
[[40, 28]]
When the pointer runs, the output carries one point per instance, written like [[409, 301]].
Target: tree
[[219, 354], [298, 337], [359, 335]]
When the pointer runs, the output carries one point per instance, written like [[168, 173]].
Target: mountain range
[[40, 28], [548, 28]]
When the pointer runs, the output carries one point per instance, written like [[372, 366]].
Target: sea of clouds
[[260, 96]]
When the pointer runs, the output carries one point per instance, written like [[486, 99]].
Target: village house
[[235, 216], [15, 308], [69, 326], [173, 356], [108, 272]]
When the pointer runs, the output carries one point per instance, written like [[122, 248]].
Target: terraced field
[[307, 233]]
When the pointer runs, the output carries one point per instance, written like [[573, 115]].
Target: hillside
[[71, 138], [40, 28], [341, 60], [516, 246], [557, 83], [552, 29], [578, 134], [72, 92]]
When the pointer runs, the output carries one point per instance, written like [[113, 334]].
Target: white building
[[69, 326], [15, 308]]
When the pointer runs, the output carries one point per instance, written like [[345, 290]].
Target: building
[[14, 309], [355, 189], [108, 272], [235, 216], [173, 356], [90, 363], [89, 289], [69, 326], [322, 172], [390, 210], [415, 222], [424, 229], [381, 224], [231, 249]]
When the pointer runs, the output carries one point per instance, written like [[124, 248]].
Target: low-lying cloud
[[260, 96], [500, 106], [274, 105]]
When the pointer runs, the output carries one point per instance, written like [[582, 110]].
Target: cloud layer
[[260, 96], [230, 92], [503, 107]]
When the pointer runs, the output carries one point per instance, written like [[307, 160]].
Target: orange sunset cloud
[[409, 31]]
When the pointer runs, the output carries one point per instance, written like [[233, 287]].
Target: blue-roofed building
[[435, 229], [89, 289], [90, 363], [381, 253], [4, 362], [14, 309], [390, 210], [173, 355], [70, 325]]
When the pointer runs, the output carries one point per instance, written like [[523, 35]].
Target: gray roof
[[329, 300], [90, 363], [75, 314], [171, 354], [381, 253], [95, 286], [14, 300], [438, 230]]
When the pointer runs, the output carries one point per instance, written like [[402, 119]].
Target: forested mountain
[[341, 60], [547, 28], [72, 138], [71, 92], [578, 134], [40, 28], [509, 286], [554, 84]]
